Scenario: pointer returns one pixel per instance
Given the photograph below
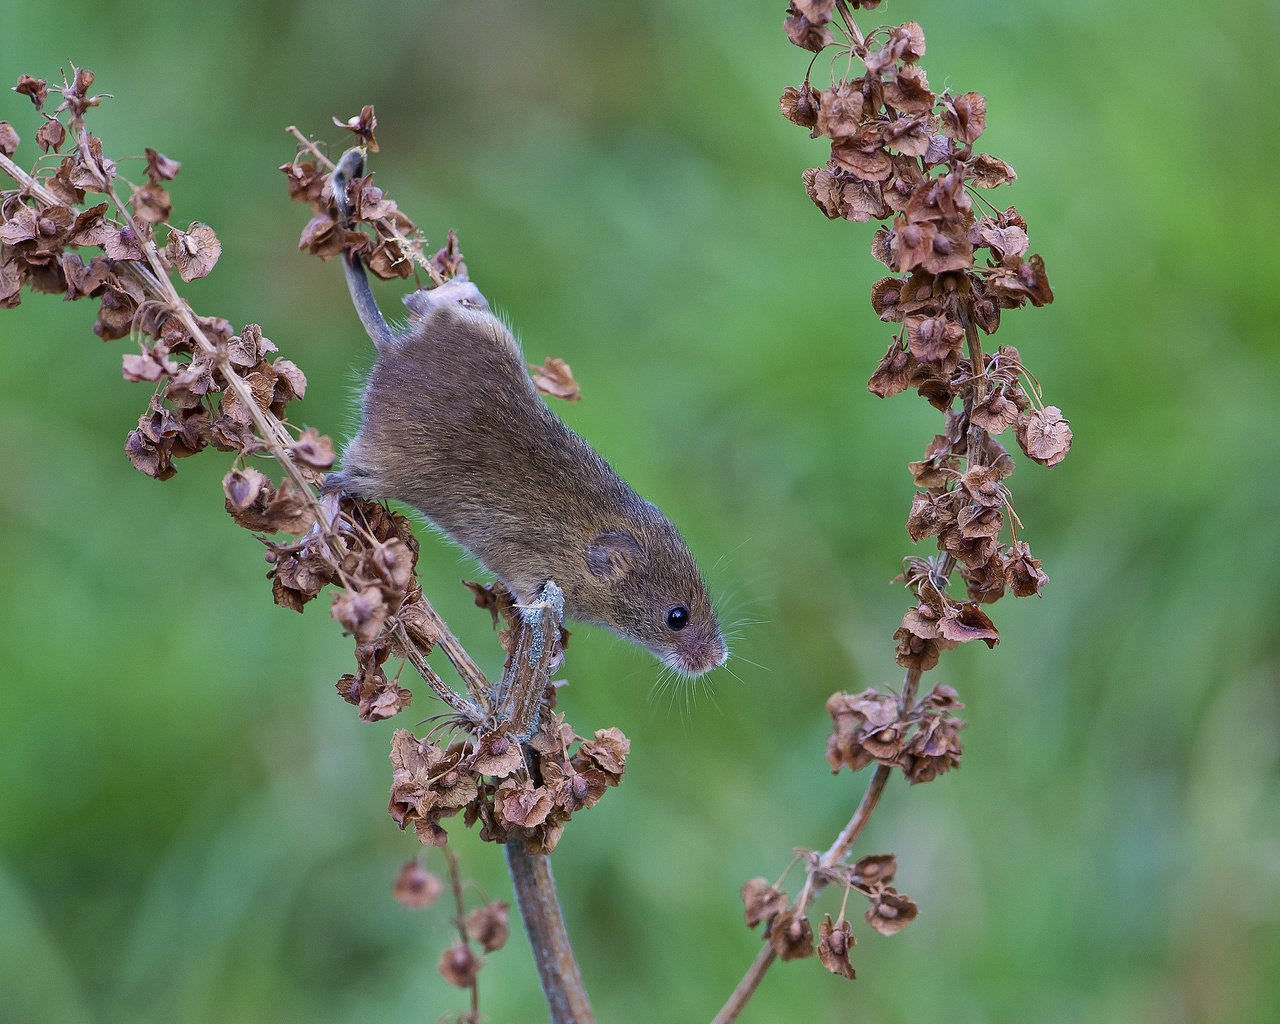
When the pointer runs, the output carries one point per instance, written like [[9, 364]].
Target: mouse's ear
[[613, 554]]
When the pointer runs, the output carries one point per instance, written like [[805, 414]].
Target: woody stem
[[552, 952]]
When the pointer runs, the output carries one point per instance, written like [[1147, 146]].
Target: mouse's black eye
[[677, 617]]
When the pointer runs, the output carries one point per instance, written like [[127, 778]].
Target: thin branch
[[455, 879], [467, 709], [477, 682], [29, 184], [310, 146]]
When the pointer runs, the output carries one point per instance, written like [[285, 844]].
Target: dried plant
[[500, 754], [902, 154]]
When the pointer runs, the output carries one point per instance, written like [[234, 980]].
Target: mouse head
[[654, 595]]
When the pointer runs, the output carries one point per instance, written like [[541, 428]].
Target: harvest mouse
[[453, 425]]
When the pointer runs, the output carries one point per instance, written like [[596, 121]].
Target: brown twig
[[455, 880], [476, 681], [467, 709]]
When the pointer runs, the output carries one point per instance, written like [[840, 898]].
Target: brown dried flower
[[762, 901], [416, 888], [790, 935], [459, 966], [555, 378], [834, 943], [488, 925], [891, 912]]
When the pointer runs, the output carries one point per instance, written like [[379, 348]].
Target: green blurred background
[[193, 825]]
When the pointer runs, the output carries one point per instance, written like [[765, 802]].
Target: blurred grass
[[193, 824]]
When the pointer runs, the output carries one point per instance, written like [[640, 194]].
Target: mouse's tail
[[349, 168]]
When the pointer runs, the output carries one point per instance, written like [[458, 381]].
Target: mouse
[[452, 424]]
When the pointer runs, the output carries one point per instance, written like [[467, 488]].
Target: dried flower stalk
[[518, 770], [902, 154]]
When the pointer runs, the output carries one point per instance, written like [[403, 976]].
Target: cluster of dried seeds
[[921, 740], [788, 930], [514, 791], [903, 154]]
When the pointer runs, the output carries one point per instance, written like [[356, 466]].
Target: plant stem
[[976, 443], [455, 878], [519, 698], [835, 853], [467, 709], [539, 906]]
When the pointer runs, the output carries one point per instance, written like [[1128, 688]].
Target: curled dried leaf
[[243, 487], [607, 752], [876, 869], [809, 34], [1044, 434], [51, 135], [990, 172], [791, 935], [8, 139], [800, 106], [488, 925], [362, 126], [966, 622], [964, 117], [496, 754], [894, 372], [376, 696], [361, 612], [521, 803], [160, 167], [459, 966], [1022, 571], [35, 89]]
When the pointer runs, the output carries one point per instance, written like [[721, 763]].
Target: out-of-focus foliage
[[192, 824]]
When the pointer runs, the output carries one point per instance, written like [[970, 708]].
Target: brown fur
[[453, 426]]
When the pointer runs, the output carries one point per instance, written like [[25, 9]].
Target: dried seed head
[[415, 887], [488, 925], [891, 912], [762, 901], [834, 943], [459, 966], [790, 935]]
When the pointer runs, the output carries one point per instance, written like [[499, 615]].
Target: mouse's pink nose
[[699, 654]]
